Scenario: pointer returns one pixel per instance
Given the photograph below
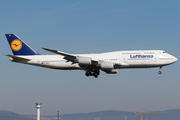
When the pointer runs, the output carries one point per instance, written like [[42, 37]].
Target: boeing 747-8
[[108, 62]]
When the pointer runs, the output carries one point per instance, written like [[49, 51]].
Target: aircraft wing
[[15, 57], [67, 56], [59, 52]]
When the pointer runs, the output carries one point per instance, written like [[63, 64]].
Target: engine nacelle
[[113, 71], [84, 61], [107, 65]]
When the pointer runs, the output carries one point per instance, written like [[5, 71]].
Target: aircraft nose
[[175, 59]]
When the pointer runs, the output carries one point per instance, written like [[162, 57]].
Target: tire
[[159, 72]]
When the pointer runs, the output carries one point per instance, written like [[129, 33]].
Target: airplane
[[92, 64]]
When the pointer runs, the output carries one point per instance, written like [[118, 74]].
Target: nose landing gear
[[160, 70]]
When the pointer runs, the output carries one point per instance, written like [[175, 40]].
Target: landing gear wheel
[[159, 72], [90, 74], [94, 73], [87, 74], [96, 76], [98, 73]]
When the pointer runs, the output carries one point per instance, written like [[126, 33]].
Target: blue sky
[[81, 26]]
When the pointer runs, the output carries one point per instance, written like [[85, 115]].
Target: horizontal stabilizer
[[15, 57]]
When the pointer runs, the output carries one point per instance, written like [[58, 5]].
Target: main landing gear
[[160, 70], [94, 73]]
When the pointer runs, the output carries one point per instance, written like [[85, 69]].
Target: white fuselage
[[125, 59]]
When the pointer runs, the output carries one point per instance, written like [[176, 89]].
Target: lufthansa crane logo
[[16, 45]]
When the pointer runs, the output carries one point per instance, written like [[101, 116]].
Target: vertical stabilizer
[[18, 46]]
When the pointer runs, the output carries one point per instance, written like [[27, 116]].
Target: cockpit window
[[164, 52]]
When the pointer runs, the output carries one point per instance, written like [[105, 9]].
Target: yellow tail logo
[[16, 45]]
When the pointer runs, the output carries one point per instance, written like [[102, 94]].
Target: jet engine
[[107, 65], [84, 61]]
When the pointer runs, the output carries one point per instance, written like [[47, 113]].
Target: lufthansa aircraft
[[108, 62]]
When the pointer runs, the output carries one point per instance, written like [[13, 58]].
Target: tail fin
[[18, 46]]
